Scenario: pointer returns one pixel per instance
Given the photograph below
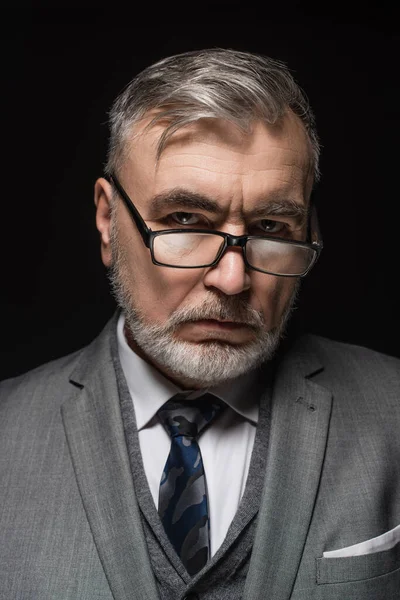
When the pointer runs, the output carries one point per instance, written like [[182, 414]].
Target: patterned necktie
[[182, 505]]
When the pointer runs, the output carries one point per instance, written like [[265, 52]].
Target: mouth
[[224, 331], [221, 325]]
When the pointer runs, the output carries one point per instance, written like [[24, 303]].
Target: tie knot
[[188, 418]]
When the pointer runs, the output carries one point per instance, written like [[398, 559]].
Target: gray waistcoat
[[224, 575]]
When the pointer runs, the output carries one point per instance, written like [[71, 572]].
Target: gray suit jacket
[[69, 521]]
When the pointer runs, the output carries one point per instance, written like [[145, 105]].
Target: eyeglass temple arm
[[140, 224], [314, 231]]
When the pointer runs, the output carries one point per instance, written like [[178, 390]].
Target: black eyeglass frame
[[148, 236]]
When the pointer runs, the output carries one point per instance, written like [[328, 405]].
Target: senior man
[[189, 452]]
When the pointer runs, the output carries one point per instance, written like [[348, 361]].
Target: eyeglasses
[[198, 248]]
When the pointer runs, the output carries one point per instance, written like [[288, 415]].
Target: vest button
[[191, 596]]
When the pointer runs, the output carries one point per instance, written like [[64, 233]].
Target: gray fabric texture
[[71, 525], [335, 475]]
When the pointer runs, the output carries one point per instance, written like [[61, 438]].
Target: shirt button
[[191, 596]]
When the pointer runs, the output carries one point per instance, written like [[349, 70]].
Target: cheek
[[271, 295], [156, 291], [159, 291]]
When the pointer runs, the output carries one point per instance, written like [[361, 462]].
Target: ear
[[102, 200]]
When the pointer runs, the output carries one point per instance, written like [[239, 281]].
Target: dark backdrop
[[62, 69]]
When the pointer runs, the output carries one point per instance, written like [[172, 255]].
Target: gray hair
[[239, 87]]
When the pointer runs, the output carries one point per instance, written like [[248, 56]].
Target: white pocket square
[[377, 544]]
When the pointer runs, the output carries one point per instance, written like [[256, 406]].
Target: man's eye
[[185, 218], [270, 226]]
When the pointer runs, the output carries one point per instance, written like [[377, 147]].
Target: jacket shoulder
[[53, 375], [49, 383], [357, 375], [348, 355]]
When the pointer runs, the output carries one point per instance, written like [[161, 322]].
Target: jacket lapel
[[299, 426], [96, 442]]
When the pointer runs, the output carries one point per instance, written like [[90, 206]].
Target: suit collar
[[93, 357], [95, 435], [300, 417]]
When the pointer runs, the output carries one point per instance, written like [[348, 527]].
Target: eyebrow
[[184, 199], [189, 200], [285, 208]]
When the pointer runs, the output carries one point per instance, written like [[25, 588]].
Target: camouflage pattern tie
[[182, 504]]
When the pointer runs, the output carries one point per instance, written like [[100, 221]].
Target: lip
[[207, 330], [221, 325]]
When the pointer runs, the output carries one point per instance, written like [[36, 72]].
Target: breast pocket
[[373, 576]]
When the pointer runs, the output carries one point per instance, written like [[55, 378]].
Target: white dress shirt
[[226, 445]]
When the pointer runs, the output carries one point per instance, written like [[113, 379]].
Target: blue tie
[[182, 505]]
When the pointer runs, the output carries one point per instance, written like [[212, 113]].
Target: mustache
[[230, 308]]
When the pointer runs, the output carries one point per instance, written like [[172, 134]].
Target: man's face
[[203, 326]]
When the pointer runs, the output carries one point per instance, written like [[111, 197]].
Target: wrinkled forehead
[[215, 151]]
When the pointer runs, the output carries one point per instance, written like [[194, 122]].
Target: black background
[[63, 66]]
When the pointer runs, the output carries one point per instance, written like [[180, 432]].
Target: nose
[[229, 275]]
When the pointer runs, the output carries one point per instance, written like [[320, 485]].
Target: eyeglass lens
[[185, 249]]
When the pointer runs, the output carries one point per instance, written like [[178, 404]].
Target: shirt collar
[[149, 389]]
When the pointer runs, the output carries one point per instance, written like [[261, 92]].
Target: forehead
[[213, 157]]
